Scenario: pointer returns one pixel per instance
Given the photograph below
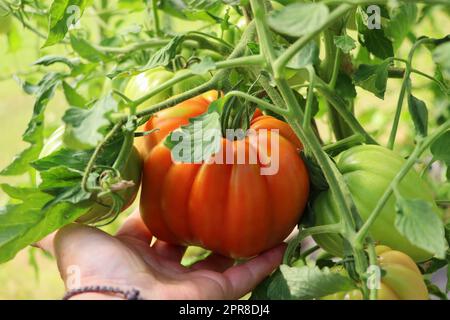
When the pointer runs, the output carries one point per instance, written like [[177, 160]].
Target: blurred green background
[[33, 275]]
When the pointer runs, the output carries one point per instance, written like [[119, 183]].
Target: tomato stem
[[404, 88], [263, 104], [94, 156]]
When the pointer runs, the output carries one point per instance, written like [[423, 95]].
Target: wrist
[[102, 293]]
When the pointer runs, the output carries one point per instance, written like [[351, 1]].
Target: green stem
[[352, 140], [373, 261], [263, 104], [125, 151], [401, 97], [231, 63], [127, 49], [309, 99], [94, 156], [282, 61], [339, 104], [305, 233], [156, 24], [422, 145]]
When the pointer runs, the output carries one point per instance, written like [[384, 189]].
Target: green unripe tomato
[[101, 207], [368, 170], [142, 84]]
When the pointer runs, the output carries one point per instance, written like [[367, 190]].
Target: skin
[[128, 260]]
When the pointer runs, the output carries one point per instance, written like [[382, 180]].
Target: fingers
[[46, 244], [134, 227], [168, 251], [244, 278], [214, 262]]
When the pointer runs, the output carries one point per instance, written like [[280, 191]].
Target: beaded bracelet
[[132, 294]]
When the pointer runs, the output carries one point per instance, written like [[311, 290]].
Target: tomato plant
[[363, 87]]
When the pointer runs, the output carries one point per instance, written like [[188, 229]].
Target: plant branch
[[263, 104], [401, 97]]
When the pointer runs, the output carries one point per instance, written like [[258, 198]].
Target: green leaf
[[440, 147], [73, 97], [308, 55], [60, 177], [63, 15], [84, 125], [345, 43], [196, 142], [86, 50], [377, 43], [418, 222], [206, 65], [26, 223], [441, 55], [419, 115], [374, 40], [299, 19], [164, 56], [49, 60], [402, 19], [34, 133], [373, 78], [345, 87], [306, 283]]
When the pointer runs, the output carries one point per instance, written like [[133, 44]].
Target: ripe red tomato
[[230, 209]]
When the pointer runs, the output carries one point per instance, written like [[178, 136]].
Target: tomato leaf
[[63, 15], [402, 19], [419, 223], [373, 78], [298, 19], [164, 56], [50, 60], [207, 64], [308, 55], [306, 283], [25, 223], [34, 133], [196, 142], [73, 97], [441, 56], [345, 43], [419, 115], [374, 40], [86, 50], [86, 124], [439, 148]]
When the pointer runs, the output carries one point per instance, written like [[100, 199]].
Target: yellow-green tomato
[[402, 279], [143, 83]]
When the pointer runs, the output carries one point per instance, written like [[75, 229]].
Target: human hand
[[127, 261]]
